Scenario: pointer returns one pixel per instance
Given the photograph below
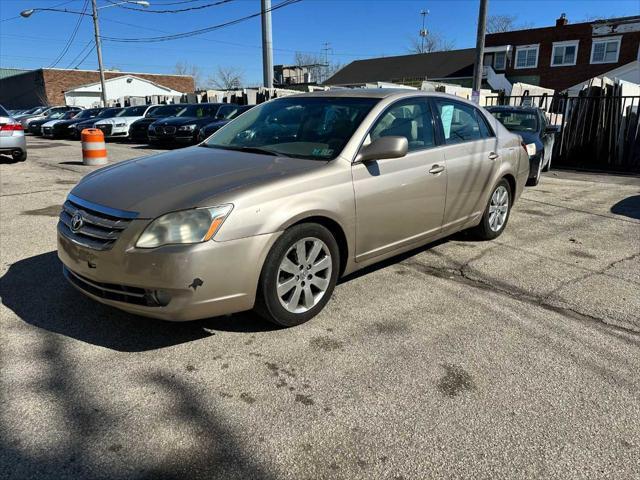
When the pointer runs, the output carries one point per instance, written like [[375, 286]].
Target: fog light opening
[[160, 298]]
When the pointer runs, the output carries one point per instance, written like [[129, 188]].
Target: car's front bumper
[[202, 280]]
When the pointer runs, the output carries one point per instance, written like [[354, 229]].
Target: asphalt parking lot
[[516, 358]]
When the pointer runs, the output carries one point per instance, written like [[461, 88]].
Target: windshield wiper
[[263, 151]]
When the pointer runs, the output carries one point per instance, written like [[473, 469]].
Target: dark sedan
[[139, 128], [35, 127], [184, 127], [532, 125], [74, 130], [61, 129], [224, 116]]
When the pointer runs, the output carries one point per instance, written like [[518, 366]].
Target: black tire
[[532, 182], [268, 303], [19, 155], [484, 231]]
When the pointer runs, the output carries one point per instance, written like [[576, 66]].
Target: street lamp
[[143, 3]]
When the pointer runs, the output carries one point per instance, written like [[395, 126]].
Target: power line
[[89, 43], [72, 36], [199, 31], [85, 57], [55, 6], [146, 10]]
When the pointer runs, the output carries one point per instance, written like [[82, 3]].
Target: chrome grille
[[98, 230]]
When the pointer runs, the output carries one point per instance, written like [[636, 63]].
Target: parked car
[[269, 211], [35, 127], [225, 114], [12, 140], [63, 128], [46, 113], [532, 125], [76, 129], [184, 127], [118, 126], [30, 111], [139, 128]]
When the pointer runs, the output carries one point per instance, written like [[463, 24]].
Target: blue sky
[[354, 28]]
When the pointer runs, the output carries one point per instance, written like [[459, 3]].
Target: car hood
[[179, 121], [51, 123], [186, 178], [72, 121], [116, 120], [147, 121]]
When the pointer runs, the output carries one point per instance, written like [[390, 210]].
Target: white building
[[118, 89]]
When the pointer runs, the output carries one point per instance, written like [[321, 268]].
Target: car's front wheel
[[299, 275], [496, 213]]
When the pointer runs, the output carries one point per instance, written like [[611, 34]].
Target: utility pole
[[477, 68], [99, 50], [326, 48], [267, 45], [423, 31]]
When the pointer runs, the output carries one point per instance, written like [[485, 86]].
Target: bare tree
[[505, 23], [227, 78], [184, 68], [433, 42], [319, 69]]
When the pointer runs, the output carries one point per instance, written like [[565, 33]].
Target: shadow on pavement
[[629, 207], [35, 289]]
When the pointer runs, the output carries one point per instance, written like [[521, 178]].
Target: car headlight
[[186, 226], [531, 149], [121, 124], [187, 128]]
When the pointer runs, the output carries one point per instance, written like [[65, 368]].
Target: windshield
[[199, 111], [164, 111], [90, 113], [133, 111], [55, 115], [301, 127], [517, 120], [3, 112], [109, 113]]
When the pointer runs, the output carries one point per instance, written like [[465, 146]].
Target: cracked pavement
[[516, 358]]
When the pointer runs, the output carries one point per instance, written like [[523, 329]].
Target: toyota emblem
[[76, 222]]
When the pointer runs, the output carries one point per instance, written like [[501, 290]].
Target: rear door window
[[459, 122]]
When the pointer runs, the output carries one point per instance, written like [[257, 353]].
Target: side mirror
[[383, 147], [552, 129]]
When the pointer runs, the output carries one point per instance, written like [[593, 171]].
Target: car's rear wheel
[[299, 275], [19, 155], [496, 213]]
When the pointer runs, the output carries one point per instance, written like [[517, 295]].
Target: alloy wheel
[[498, 208], [304, 275]]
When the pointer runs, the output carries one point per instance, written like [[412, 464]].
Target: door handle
[[493, 156], [436, 169]]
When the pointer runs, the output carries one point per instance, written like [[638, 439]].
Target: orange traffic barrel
[[94, 151]]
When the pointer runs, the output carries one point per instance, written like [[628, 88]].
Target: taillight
[[10, 127]]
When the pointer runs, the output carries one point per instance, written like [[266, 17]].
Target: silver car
[[274, 207], [12, 139]]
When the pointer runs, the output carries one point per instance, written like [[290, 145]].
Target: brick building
[[46, 86], [566, 54], [556, 57]]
